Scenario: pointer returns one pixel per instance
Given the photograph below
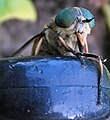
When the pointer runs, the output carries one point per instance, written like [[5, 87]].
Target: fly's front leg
[[69, 49], [87, 55], [100, 73], [83, 47]]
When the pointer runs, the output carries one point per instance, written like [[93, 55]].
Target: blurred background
[[22, 19]]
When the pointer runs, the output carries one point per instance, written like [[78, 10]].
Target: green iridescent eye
[[66, 17], [88, 15]]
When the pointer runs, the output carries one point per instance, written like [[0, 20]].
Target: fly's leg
[[36, 46], [100, 73], [83, 47], [69, 49], [88, 55]]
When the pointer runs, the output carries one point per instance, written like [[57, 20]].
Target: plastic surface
[[52, 89]]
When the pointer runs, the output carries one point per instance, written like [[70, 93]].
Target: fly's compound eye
[[88, 16], [66, 17]]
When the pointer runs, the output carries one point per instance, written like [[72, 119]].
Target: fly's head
[[77, 19]]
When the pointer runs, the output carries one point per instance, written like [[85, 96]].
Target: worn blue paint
[[46, 88]]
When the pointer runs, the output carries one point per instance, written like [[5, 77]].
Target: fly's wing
[[35, 38]]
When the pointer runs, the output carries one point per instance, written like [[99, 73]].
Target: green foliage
[[106, 12], [107, 72], [19, 9]]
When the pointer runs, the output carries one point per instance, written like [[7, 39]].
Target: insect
[[66, 34]]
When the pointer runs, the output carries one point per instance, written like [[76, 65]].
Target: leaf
[[106, 12], [19, 9]]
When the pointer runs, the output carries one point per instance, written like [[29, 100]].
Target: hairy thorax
[[52, 46]]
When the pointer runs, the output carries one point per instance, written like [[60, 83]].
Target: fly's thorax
[[68, 34], [51, 36], [51, 33]]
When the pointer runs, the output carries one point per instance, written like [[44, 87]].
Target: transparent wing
[[35, 38]]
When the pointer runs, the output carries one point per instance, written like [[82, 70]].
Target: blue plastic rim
[[56, 88]]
